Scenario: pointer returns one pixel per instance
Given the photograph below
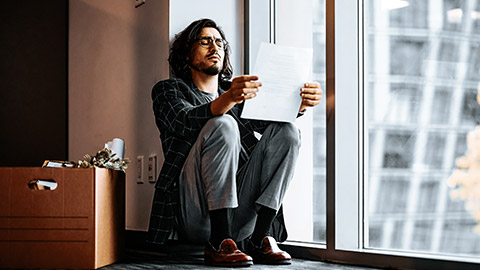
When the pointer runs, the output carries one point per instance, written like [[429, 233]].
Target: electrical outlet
[[139, 169], [152, 168]]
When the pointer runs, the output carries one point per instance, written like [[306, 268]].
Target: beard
[[211, 70], [205, 67]]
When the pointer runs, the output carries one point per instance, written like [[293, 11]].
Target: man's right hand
[[242, 88]]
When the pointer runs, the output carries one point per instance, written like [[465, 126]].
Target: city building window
[[398, 153], [441, 106]]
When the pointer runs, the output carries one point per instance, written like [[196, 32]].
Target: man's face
[[207, 58]]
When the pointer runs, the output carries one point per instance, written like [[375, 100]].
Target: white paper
[[118, 147], [282, 72]]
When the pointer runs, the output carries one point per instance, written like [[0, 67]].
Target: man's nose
[[214, 46]]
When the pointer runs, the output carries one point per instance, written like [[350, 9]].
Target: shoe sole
[[279, 262], [230, 264]]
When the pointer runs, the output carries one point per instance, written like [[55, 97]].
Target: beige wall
[[116, 54]]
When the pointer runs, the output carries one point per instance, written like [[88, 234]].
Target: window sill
[[380, 258]]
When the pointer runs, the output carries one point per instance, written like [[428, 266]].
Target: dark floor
[[135, 259]]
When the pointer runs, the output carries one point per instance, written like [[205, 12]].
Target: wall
[[116, 54], [33, 71]]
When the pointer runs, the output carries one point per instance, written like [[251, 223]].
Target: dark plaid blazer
[[181, 110]]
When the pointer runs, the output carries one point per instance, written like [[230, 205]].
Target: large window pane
[[302, 24], [421, 78]]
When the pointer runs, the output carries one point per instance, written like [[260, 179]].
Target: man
[[219, 183]]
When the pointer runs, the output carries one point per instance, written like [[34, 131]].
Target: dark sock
[[219, 226], [262, 226]]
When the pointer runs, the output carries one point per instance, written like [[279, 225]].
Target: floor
[[151, 260]]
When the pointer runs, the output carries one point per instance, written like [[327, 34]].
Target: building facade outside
[[421, 78]]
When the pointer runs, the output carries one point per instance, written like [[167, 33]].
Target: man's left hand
[[311, 95]]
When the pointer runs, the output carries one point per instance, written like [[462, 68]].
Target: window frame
[[344, 44]]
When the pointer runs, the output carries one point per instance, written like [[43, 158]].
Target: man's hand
[[311, 95], [242, 88]]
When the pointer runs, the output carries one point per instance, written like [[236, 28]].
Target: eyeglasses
[[207, 42]]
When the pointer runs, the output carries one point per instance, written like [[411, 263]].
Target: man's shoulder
[[171, 83], [169, 87]]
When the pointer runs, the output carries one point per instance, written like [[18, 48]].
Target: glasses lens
[[206, 42], [220, 43]]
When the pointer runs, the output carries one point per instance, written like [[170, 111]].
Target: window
[[441, 106], [470, 108], [473, 72], [429, 188], [390, 197], [400, 80], [418, 134], [398, 151], [405, 56], [305, 199], [406, 18]]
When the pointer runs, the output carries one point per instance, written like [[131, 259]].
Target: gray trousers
[[211, 180]]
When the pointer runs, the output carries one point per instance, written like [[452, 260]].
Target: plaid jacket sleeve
[[174, 113]]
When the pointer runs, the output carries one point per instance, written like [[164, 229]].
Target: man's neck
[[204, 82]]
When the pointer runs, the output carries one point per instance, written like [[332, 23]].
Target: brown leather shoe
[[228, 255], [268, 253]]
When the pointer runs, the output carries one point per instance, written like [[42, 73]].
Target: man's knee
[[224, 128], [289, 134]]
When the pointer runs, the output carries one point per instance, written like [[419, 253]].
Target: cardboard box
[[80, 224]]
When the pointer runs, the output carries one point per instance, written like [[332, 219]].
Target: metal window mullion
[[362, 143], [246, 37], [273, 21], [330, 124]]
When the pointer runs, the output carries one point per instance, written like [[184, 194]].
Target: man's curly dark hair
[[182, 47]]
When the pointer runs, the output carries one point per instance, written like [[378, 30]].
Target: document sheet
[[282, 72]]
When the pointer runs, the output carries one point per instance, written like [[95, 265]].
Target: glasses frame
[[222, 46]]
